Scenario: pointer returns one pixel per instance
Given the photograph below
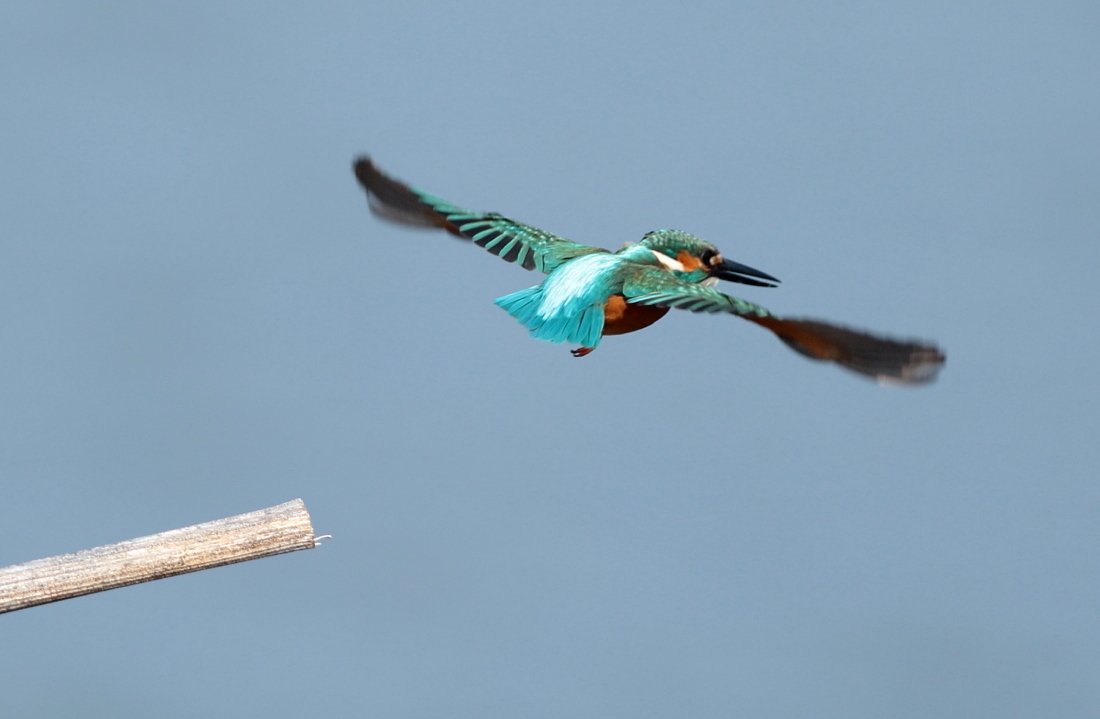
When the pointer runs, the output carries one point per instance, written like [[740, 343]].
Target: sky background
[[199, 317]]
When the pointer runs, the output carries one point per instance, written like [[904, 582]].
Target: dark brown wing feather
[[887, 360]]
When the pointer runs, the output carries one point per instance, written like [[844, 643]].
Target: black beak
[[736, 272]]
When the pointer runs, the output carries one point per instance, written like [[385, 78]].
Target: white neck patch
[[668, 261]]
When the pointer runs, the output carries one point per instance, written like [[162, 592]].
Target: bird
[[589, 292]]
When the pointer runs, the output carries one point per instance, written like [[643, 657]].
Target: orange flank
[[620, 317]]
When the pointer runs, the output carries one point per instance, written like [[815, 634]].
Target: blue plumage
[[568, 305]]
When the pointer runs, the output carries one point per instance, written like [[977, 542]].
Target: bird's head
[[696, 260]]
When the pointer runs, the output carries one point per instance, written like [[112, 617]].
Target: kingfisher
[[590, 292]]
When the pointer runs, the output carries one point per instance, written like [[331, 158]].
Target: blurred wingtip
[[887, 361], [922, 367], [392, 200], [363, 167]]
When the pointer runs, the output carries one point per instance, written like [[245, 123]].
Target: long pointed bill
[[736, 272]]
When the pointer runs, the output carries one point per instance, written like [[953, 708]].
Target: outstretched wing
[[886, 360], [512, 241]]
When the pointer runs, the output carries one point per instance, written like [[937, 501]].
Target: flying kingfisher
[[590, 292]]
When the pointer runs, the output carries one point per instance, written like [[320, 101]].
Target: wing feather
[[530, 247], [658, 287], [886, 360]]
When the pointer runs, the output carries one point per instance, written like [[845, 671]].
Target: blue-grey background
[[199, 317]]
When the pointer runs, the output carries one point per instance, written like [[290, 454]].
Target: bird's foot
[[581, 351]]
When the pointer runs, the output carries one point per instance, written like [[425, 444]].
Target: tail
[[886, 360], [583, 328]]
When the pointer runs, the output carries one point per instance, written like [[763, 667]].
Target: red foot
[[582, 351]]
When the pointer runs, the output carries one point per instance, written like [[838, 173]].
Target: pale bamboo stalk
[[275, 530]]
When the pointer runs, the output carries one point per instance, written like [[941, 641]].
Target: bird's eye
[[708, 258]]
